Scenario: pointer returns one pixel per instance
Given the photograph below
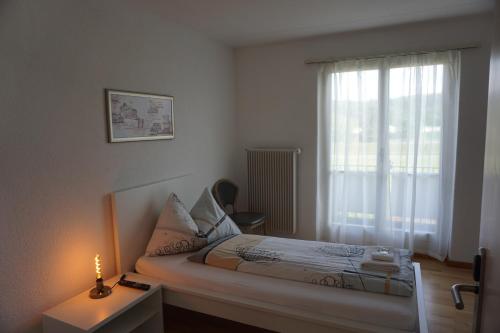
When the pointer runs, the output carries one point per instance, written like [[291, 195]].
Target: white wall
[[276, 106], [56, 58]]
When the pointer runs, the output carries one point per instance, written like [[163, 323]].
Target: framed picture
[[137, 116]]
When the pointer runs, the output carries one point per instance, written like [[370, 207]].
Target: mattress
[[389, 311]]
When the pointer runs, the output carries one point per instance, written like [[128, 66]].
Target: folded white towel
[[369, 264], [383, 255]]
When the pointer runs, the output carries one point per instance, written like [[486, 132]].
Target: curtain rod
[[332, 60]]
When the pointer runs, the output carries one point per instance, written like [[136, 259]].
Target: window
[[403, 94], [387, 136]]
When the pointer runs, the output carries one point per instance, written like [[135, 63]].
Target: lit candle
[[98, 266]]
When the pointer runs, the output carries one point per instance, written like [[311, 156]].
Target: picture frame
[[135, 116]]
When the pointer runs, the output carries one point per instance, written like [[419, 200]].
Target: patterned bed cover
[[327, 264]]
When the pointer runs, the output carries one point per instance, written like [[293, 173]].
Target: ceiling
[[249, 22]]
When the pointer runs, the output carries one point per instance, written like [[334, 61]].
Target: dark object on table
[[133, 284], [226, 194]]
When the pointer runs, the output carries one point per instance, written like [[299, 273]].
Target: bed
[[266, 302]]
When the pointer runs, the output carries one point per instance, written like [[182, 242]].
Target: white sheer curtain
[[387, 132]]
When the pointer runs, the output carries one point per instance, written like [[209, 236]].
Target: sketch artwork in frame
[[137, 116]]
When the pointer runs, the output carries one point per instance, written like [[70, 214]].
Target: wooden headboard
[[136, 210]]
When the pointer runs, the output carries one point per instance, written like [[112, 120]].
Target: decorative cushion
[[175, 231], [211, 220], [165, 241], [176, 217]]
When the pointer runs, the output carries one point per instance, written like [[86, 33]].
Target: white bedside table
[[125, 310]]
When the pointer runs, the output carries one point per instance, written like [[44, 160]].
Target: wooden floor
[[441, 314]]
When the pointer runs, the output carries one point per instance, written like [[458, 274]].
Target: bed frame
[[135, 212]]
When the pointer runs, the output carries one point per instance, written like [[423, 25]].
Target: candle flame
[[98, 266]]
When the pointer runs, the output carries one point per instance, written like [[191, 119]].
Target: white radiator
[[272, 188]]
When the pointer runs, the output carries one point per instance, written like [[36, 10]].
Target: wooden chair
[[226, 194]]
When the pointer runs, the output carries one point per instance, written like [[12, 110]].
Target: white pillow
[[211, 220], [175, 231], [165, 241], [176, 217]]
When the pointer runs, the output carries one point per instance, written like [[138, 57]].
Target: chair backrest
[[226, 193]]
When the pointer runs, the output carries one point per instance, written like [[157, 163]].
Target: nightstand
[[125, 310]]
